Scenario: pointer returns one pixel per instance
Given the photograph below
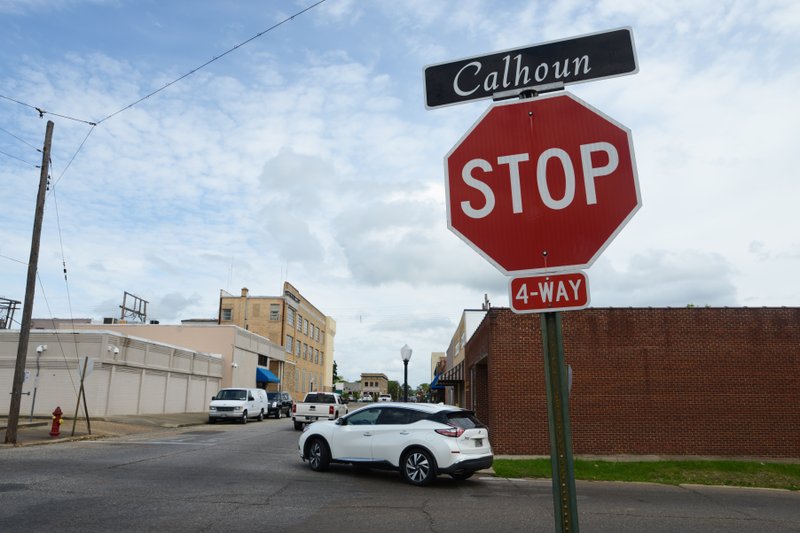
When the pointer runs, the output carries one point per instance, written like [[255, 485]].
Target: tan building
[[453, 376], [374, 385], [289, 320]]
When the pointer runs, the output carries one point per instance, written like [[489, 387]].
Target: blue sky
[[308, 155]]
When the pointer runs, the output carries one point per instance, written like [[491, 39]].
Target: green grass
[[733, 473]]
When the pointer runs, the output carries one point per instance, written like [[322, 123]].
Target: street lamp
[[405, 353]]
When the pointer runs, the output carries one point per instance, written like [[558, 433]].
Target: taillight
[[330, 410], [294, 408], [451, 432]]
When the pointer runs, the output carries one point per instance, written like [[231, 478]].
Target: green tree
[[336, 376], [394, 390]]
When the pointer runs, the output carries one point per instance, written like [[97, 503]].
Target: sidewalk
[[38, 431]]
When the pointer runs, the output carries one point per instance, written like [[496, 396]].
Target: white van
[[238, 404]]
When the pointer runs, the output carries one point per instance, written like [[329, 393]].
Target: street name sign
[[541, 185], [556, 63], [553, 292]]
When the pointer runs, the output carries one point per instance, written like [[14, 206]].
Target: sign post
[[564, 497]]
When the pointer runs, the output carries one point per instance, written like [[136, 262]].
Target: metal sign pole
[[564, 497]]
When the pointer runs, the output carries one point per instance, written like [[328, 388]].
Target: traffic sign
[[566, 61], [553, 292], [541, 185]]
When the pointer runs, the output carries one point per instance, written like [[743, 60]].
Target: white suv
[[384, 398], [419, 440]]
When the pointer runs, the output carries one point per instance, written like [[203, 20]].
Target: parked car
[[384, 398], [238, 404], [280, 404], [366, 398], [420, 440]]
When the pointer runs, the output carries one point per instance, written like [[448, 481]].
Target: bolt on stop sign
[[541, 185]]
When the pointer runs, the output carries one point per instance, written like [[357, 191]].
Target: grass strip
[[731, 473]]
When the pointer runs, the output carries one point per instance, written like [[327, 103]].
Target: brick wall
[[684, 381]]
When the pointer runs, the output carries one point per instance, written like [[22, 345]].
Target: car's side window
[[366, 417], [394, 415]]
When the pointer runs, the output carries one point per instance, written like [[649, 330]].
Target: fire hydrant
[[55, 429]]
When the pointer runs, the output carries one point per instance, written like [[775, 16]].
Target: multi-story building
[[453, 376], [374, 385], [305, 333]]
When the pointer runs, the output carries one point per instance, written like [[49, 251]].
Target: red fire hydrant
[[55, 429]]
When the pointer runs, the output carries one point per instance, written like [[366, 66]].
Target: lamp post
[[405, 353]]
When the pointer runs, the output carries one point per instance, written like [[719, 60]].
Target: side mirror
[[341, 421], [213, 398], [250, 399]]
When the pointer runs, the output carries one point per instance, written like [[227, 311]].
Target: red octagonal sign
[[541, 185]]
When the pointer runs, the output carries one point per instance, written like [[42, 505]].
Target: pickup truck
[[318, 406]]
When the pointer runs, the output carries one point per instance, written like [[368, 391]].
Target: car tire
[[418, 467], [279, 414], [319, 455], [260, 416], [462, 476], [212, 420], [244, 417], [298, 426]]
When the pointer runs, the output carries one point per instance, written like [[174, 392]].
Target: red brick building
[[669, 381]]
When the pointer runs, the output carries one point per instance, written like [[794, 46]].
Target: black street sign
[[575, 60]]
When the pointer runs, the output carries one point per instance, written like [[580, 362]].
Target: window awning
[[453, 376], [265, 376], [435, 383]]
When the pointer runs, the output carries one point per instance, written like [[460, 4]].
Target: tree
[[336, 377], [394, 390]]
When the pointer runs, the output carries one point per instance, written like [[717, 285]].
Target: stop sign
[[541, 185]]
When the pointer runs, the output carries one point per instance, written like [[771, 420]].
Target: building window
[[305, 351], [263, 360], [299, 322], [305, 326], [227, 314], [297, 349], [274, 311], [316, 356], [289, 341], [290, 316]]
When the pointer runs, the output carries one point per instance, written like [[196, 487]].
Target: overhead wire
[[19, 159], [21, 139]]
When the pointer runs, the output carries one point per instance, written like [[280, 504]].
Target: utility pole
[[30, 289]]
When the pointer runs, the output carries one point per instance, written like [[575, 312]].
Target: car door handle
[[367, 433], [404, 432]]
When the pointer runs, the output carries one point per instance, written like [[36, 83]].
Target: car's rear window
[[320, 398], [460, 419], [274, 395]]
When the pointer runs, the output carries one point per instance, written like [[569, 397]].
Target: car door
[[352, 441], [392, 433]]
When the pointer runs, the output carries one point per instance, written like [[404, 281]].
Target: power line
[[236, 47], [21, 140], [19, 159], [74, 155], [43, 112]]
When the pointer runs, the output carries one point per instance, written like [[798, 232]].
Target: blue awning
[[265, 376], [435, 383]]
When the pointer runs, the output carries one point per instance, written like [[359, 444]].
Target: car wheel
[[279, 414], [418, 467], [260, 416], [212, 420], [462, 476], [298, 426], [244, 417], [319, 456]]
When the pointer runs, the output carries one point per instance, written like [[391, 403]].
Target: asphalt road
[[230, 477]]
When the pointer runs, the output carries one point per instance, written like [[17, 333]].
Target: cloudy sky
[[308, 155]]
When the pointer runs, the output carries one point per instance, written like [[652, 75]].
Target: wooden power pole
[[30, 289]]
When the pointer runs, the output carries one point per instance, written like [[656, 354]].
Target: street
[[230, 477]]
